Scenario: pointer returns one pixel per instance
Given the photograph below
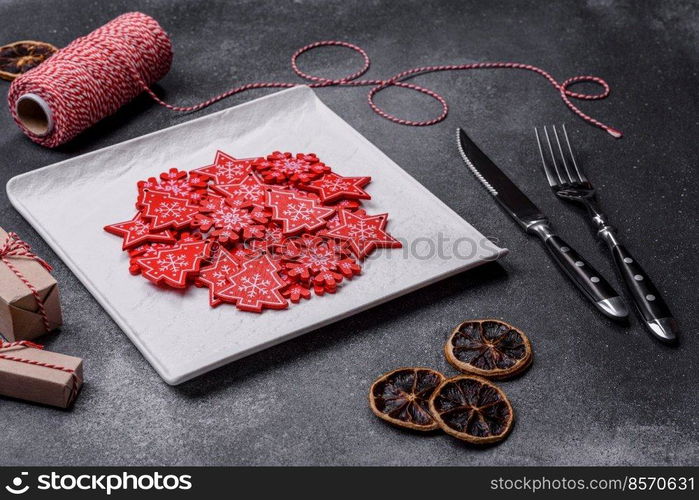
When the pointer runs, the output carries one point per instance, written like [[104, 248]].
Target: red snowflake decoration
[[176, 183], [279, 168], [311, 256], [257, 232], [232, 220], [295, 291], [272, 239]]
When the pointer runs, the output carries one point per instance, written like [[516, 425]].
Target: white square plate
[[69, 202]]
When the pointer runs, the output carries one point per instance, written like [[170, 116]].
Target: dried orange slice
[[489, 348], [400, 397], [472, 409], [19, 57]]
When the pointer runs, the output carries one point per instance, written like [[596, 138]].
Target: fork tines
[[559, 163]]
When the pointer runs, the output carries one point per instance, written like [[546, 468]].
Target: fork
[[569, 183]]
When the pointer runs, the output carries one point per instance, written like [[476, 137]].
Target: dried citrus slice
[[400, 397], [488, 347], [19, 57], [472, 409]]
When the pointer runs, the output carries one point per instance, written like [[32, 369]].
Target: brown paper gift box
[[20, 318], [40, 384]]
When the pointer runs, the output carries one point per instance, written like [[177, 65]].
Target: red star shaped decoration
[[364, 233], [165, 210], [256, 286], [217, 276], [225, 169], [332, 187], [173, 265], [248, 190], [296, 212], [138, 231]]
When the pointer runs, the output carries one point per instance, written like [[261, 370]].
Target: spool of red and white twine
[[97, 74]]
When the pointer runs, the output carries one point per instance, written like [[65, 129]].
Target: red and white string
[[76, 381], [97, 74]]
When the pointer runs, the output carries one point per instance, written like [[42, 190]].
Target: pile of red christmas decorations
[[257, 232]]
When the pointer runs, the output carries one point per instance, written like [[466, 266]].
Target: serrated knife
[[533, 221]]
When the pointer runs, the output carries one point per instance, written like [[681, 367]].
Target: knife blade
[[510, 197], [533, 221]]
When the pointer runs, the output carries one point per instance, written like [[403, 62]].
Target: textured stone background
[[598, 393]]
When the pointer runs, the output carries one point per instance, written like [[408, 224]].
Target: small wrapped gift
[[30, 373], [29, 303]]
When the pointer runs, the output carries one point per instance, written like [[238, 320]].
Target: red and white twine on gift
[[33, 362], [15, 247], [97, 74], [31, 345]]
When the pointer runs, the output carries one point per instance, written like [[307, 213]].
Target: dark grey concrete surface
[[598, 393]]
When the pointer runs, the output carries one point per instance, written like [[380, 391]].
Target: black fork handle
[[650, 304]]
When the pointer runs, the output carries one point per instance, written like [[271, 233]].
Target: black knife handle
[[580, 271]]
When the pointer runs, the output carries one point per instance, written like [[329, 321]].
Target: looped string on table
[[398, 81], [32, 345], [98, 73], [15, 247]]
